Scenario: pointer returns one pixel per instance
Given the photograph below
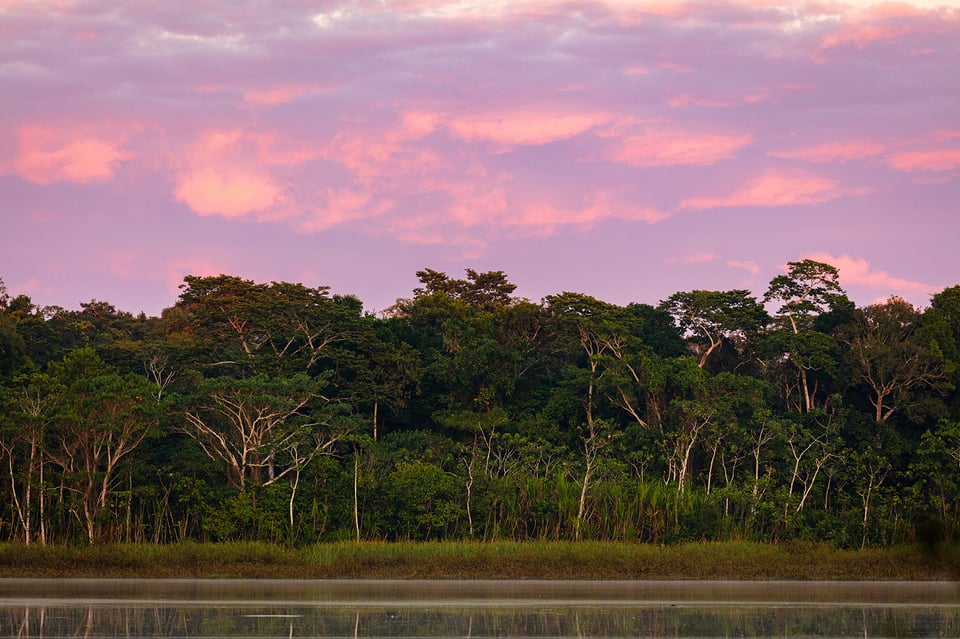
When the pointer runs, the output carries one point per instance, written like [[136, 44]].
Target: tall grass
[[474, 560]]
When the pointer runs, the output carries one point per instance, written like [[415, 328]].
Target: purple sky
[[624, 149]]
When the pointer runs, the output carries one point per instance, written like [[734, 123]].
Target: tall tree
[[885, 352], [266, 428], [711, 318], [809, 289], [102, 418], [597, 328], [940, 330], [486, 291], [262, 428], [277, 326], [28, 408]]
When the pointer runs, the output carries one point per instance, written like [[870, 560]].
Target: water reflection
[[77, 608]]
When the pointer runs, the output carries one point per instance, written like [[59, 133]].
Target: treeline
[[280, 412]]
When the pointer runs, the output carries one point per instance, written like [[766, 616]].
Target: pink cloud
[[344, 205], [278, 95], [686, 99], [426, 229], [932, 160], [831, 152], [420, 123], [224, 177], [230, 192], [893, 10], [375, 151], [46, 155], [673, 147], [273, 150], [544, 218], [774, 188], [861, 34], [474, 203], [695, 258], [747, 265], [28, 287], [523, 127], [630, 12], [857, 272]]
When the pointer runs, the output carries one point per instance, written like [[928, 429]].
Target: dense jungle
[[278, 412]]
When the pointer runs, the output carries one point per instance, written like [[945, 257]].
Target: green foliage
[[712, 318], [424, 500], [279, 412]]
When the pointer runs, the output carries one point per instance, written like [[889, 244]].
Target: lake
[[200, 608]]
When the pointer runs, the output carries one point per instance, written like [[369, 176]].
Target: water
[[285, 608]]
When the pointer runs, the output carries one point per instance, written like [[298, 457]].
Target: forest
[[282, 413]]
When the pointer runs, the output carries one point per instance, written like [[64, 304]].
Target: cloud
[[688, 100], [475, 202], [932, 160], [857, 272], [672, 147], [544, 217], [28, 287], [230, 192], [695, 258], [522, 127], [278, 95], [831, 152], [387, 151], [46, 155], [859, 35], [747, 265], [230, 172], [344, 205], [223, 177], [774, 188]]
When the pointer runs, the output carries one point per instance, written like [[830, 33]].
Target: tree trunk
[[583, 498], [40, 505], [356, 488]]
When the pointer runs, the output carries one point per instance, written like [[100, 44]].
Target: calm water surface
[[284, 608]]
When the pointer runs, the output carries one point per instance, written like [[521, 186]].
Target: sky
[[623, 149]]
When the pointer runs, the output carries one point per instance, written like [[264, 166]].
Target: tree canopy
[[278, 411]]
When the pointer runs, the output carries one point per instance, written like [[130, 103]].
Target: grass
[[493, 560]]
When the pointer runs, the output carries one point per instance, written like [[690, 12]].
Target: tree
[[262, 428], [711, 318], [380, 373], [808, 289], [103, 417], [13, 351], [28, 410], [884, 351], [475, 342], [940, 329], [271, 327], [485, 291], [594, 326], [937, 485]]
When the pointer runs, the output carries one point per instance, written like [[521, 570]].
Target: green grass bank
[[492, 560]]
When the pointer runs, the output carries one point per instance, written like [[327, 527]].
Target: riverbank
[[492, 560]]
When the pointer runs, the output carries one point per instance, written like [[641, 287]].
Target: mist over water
[[269, 608]]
